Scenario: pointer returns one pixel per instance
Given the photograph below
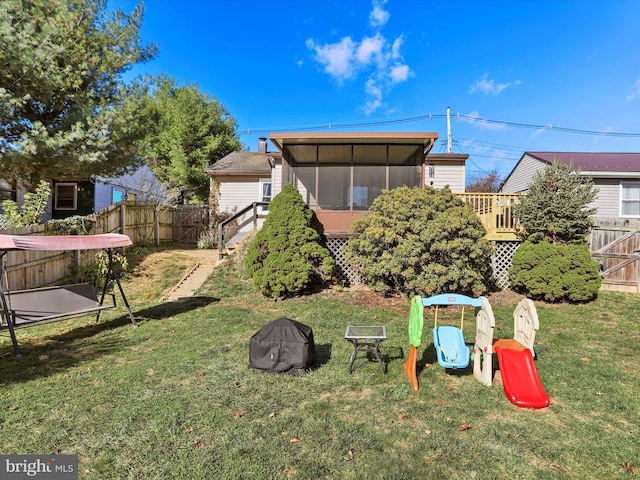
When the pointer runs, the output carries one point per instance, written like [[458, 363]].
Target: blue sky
[[517, 75]]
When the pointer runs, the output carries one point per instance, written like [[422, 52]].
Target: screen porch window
[[66, 196], [630, 200]]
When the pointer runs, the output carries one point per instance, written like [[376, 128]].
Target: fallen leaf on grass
[[238, 416], [585, 359], [464, 427], [295, 440], [559, 468], [402, 416], [628, 467], [440, 402]]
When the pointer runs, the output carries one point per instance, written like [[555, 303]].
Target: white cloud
[[546, 128], [488, 86], [635, 91], [374, 56], [371, 48], [395, 48], [399, 73], [475, 119], [337, 58], [378, 16]]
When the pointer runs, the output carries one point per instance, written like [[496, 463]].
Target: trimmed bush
[[286, 257], [555, 272], [421, 242]]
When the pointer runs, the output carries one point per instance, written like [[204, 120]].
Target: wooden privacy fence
[[143, 222], [618, 253]]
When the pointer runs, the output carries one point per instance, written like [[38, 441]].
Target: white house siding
[[519, 179], [276, 178], [237, 193], [449, 173], [608, 200]]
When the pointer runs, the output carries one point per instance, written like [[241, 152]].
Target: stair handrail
[[254, 218]]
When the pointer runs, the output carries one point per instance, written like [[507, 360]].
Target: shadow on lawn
[[430, 357], [49, 354]]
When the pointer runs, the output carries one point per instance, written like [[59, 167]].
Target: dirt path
[[204, 262]]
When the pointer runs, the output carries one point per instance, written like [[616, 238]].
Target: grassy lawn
[[175, 398]]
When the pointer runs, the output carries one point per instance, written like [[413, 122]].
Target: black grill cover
[[283, 346]]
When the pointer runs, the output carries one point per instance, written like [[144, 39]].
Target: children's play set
[[520, 378]]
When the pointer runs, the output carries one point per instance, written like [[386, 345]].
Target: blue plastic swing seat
[[450, 347]]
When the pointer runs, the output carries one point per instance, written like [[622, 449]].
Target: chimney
[[262, 145]]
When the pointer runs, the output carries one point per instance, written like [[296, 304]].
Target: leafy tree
[[286, 257], [421, 241], [186, 132], [33, 207], [61, 87], [487, 183], [556, 204]]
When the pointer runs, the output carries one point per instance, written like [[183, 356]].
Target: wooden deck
[[496, 213]]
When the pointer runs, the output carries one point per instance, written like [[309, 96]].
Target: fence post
[[123, 218]]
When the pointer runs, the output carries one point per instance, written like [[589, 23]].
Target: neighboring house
[[616, 175], [241, 178], [338, 174], [82, 196]]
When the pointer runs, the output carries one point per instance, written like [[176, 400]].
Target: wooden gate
[[189, 221], [618, 254]]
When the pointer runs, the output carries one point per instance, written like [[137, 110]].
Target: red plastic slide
[[520, 378]]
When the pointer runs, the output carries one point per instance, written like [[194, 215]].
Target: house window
[[265, 192], [116, 196], [66, 196], [630, 200]]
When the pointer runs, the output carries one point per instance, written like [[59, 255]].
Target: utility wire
[[430, 116]]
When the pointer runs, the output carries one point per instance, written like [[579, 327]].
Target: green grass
[[175, 398]]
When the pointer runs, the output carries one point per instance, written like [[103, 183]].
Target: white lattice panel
[[501, 262], [345, 271]]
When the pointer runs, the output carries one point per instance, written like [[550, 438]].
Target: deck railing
[[495, 210]]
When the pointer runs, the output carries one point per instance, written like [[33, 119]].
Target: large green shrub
[[286, 257], [421, 241], [554, 272]]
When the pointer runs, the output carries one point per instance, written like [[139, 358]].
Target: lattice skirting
[[500, 261], [345, 271]]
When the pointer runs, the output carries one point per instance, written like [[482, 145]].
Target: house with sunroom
[[616, 175], [339, 174]]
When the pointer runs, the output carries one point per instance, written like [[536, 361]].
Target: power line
[[430, 116]]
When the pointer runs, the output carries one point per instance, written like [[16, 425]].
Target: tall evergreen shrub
[[554, 262], [286, 257], [422, 241]]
